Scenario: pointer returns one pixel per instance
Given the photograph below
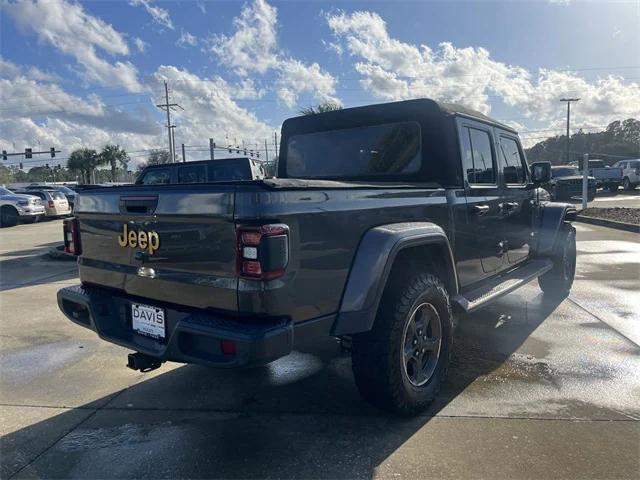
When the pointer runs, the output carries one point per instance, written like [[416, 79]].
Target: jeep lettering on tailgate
[[145, 240]]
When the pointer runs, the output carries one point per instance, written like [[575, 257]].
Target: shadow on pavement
[[300, 416], [37, 250]]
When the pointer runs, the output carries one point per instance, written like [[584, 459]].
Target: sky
[[84, 74]]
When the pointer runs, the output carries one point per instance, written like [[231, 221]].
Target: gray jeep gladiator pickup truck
[[385, 221]]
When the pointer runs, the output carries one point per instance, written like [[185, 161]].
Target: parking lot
[[536, 390]]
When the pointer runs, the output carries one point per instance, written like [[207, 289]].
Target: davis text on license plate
[[148, 320]]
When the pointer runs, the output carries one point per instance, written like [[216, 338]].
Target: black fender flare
[[553, 215], [371, 267]]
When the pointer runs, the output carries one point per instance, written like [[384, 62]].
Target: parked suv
[[384, 223], [630, 173], [566, 183], [69, 194], [15, 207], [55, 203]]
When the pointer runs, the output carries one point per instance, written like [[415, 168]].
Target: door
[[517, 206], [479, 244]]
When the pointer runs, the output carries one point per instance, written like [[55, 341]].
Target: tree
[[83, 160], [6, 175], [156, 157], [321, 108], [113, 155], [621, 139]]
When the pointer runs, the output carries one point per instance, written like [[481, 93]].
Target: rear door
[[516, 206], [479, 246]]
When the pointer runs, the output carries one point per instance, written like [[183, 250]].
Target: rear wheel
[[33, 219], [613, 188], [400, 364], [557, 282], [8, 216], [626, 184]]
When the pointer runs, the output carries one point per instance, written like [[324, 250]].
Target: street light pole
[[568, 100]]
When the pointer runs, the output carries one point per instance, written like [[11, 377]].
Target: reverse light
[[262, 251], [71, 235]]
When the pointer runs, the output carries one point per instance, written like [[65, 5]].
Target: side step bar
[[501, 285]]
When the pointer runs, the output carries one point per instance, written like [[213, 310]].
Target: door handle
[[480, 209], [508, 206]]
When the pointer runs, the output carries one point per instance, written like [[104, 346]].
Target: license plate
[[147, 320]]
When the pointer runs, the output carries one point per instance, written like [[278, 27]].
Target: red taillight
[[51, 204], [262, 251], [71, 231], [228, 347]]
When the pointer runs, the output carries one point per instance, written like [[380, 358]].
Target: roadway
[[537, 389]]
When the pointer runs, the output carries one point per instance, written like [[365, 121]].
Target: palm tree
[[320, 108], [114, 155], [83, 160]]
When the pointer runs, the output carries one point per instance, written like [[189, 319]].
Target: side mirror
[[540, 172]]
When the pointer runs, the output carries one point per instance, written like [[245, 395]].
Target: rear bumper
[[30, 211], [191, 336]]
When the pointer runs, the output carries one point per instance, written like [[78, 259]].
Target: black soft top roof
[[439, 139]]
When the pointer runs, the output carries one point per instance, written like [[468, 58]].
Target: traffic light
[[4, 154], [53, 152], [27, 153]]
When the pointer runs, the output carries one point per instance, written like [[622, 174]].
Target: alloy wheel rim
[[421, 344]]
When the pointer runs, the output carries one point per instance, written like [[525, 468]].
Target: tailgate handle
[[142, 205]]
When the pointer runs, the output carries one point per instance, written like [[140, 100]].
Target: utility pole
[[173, 142], [166, 106], [212, 146], [184, 157], [275, 142], [568, 100]]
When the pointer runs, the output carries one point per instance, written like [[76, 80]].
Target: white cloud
[[187, 39], [140, 44], [393, 70], [210, 110], [297, 77], [71, 30], [253, 48], [159, 15]]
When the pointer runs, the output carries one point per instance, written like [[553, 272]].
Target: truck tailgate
[[192, 228]]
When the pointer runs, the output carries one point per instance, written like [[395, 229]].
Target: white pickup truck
[[15, 207], [606, 176]]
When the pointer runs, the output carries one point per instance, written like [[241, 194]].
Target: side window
[[191, 174], [482, 170], [157, 177], [512, 161]]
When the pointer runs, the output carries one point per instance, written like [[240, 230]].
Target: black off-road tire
[[8, 216], [378, 357], [557, 282]]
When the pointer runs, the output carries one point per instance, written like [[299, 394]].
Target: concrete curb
[[58, 253], [629, 227]]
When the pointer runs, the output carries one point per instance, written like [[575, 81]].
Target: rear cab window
[[191, 174], [393, 149], [156, 176]]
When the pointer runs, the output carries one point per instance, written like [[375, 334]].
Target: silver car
[[55, 203]]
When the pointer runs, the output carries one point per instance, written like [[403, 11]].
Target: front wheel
[[400, 364], [626, 184], [613, 188], [557, 282], [8, 216]]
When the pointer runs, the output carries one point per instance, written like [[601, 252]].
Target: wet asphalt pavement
[[536, 390]]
